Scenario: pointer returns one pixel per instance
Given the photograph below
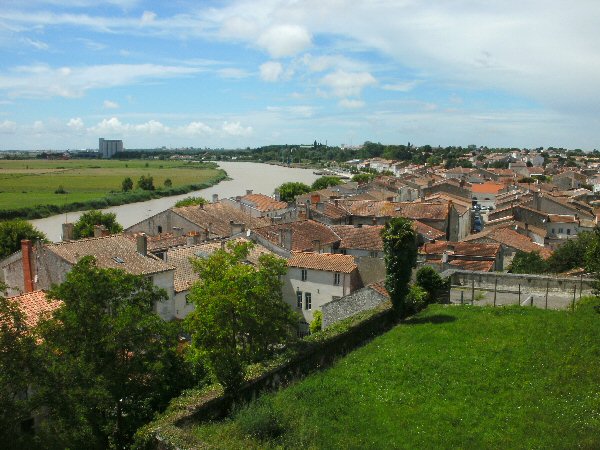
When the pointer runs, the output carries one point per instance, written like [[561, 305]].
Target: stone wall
[[361, 300]]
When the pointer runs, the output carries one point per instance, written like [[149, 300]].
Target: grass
[[452, 377], [31, 183]]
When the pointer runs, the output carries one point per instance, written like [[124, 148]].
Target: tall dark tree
[[84, 227], [13, 231], [109, 361], [146, 182], [528, 262], [289, 191], [400, 252], [127, 184]]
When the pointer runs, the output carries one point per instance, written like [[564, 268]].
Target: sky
[[246, 73]]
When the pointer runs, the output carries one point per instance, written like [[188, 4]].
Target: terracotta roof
[[160, 241], [423, 210], [427, 231], [331, 211], [561, 218], [487, 188], [461, 248], [218, 216], [263, 202], [304, 232], [180, 259], [115, 252], [34, 305], [479, 266], [379, 287], [322, 261], [369, 208], [508, 236], [363, 238]]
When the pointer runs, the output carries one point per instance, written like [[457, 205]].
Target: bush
[[416, 299], [60, 190], [260, 420], [317, 322], [190, 201], [432, 282]]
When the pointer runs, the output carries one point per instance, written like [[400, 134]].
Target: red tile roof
[[427, 231], [34, 306], [561, 218], [263, 202], [487, 188], [363, 238], [379, 287], [322, 261], [480, 266], [462, 248], [304, 232]]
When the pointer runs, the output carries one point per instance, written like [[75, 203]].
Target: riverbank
[[36, 189]]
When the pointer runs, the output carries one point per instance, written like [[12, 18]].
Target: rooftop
[[34, 305], [322, 261]]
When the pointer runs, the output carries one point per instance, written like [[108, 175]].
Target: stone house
[[314, 279], [363, 299], [260, 205]]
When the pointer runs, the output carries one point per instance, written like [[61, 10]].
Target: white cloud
[[405, 86], [304, 111], [233, 73], [8, 126], [148, 17], [271, 71], [44, 81], [38, 126], [39, 45], [284, 40], [347, 84], [197, 129], [236, 129], [351, 104], [108, 104], [76, 124]]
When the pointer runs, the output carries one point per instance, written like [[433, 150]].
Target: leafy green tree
[[239, 316], [127, 184], [84, 227], [109, 362], [592, 258], [168, 183], [432, 282], [528, 262], [317, 322], [146, 182], [191, 201], [571, 254], [416, 299], [13, 231], [16, 368], [400, 254], [289, 191], [363, 177], [325, 182]]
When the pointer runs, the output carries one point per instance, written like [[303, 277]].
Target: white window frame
[[307, 301], [337, 278], [303, 274]]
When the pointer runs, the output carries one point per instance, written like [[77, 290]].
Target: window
[[568, 231], [159, 229], [373, 254], [336, 278], [304, 274], [553, 232], [307, 300], [344, 251], [299, 299], [560, 230]]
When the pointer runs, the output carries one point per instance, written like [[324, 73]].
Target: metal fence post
[[472, 292], [547, 288], [574, 294], [495, 290], [519, 295], [462, 297]]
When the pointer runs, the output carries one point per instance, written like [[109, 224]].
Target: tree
[[13, 231], [592, 258], [432, 282], [16, 367], [146, 183], [109, 362], [84, 227], [362, 177], [325, 182], [127, 184], [571, 254], [400, 254], [240, 316], [168, 183], [528, 262], [317, 322], [191, 201], [289, 191]]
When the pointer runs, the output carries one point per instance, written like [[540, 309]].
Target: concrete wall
[[164, 222], [361, 300], [11, 274], [181, 306]]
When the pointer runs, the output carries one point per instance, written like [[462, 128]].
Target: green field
[[30, 183], [453, 377]]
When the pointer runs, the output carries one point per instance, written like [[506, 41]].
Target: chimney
[[286, 238], [316, 245], [248, 191], [315, 198], [374, 221], [336, 202], [189, 239], [462, 183], [277, 195], [178, 231], [27, 258], [67, 231], [307, 210], [142, 244], [205, 234], [98, 229], [236, 228], [215, 198]]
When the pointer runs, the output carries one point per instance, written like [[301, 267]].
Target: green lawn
[[29, 183], [453, 377]]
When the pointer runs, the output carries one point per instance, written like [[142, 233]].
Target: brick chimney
[[67, 231], [248, 191], [277, 195], [142, 244], [316, 244], [27, 255], [178, 231], [315, 198], [285, 236]]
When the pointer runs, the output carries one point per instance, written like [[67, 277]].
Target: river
[[261, 178]]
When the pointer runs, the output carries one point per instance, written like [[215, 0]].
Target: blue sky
[[247, 73]]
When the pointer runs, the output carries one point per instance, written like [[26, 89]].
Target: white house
[[314, 279]]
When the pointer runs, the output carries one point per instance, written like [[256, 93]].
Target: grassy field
[[453, 377], [29, 183]]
